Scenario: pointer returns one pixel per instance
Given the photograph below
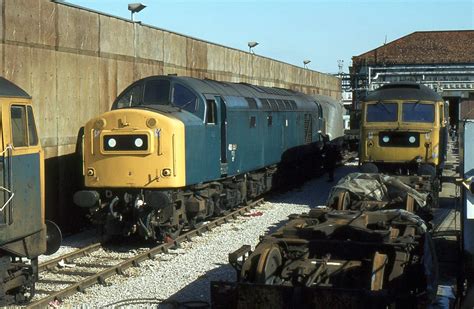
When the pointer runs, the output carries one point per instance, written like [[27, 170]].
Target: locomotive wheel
[[268, 264]]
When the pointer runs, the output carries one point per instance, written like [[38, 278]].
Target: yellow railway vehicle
[[24, 232], [404, 130]]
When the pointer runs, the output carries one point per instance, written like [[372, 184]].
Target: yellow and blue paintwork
[[184, 149], [23, 217]]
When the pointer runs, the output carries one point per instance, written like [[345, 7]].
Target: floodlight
[[252, 45], [135, 8]]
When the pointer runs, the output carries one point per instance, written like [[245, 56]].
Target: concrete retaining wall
[[74, 62]]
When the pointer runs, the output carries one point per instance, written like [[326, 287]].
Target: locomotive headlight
[[138, 142], [370, 135], [428, 136], [112, 142], [386, 139], [412, 139]]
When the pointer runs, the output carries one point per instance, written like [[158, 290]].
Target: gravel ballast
[[185, 274]]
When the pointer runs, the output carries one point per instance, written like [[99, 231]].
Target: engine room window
[[273, 104], [211, 111], [252, 103], [157, 92], [33, 135], [265, 103], [130, 98], [418, 112], [281, 104], [18, 123], [184, 98], [293, 105], [382, 112], [253, 122]]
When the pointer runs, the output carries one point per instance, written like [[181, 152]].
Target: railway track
[[69, 280]]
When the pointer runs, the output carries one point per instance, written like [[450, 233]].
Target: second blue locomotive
[[176, 150]]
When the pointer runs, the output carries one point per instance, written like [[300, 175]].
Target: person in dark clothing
[[331, 155]]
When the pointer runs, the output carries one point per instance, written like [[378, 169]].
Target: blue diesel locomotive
[[176, 150]]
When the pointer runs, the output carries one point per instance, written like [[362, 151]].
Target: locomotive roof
[[326, 100], [9, 89], [235, 89], [296, 99], [403, 91]]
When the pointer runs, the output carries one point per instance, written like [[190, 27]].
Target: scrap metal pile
[[370, 249]]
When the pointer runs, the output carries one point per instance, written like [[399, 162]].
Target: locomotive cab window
[[157, 92], [211, 112], [418, 112], [382, 112], [131, 98], [184, 98]]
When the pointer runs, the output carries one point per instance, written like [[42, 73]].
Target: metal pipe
[[424, 67], [111, 209]]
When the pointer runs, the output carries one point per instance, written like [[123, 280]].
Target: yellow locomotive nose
[[134, 148]]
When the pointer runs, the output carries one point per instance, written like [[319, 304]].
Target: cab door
[[21, 170]]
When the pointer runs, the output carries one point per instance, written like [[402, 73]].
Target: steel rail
[[119, 268], [69, 257]]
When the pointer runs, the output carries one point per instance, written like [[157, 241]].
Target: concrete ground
[[447, 222]]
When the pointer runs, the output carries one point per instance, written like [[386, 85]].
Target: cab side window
[[32, 134], [211, 112], [23, 126], [18, 124]]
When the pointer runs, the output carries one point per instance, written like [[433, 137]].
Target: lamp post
[[135, 8], [305, 63], [251, 45]]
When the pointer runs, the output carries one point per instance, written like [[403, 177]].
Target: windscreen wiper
[[384, 106]]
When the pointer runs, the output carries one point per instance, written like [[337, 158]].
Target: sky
[[323, 31]]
